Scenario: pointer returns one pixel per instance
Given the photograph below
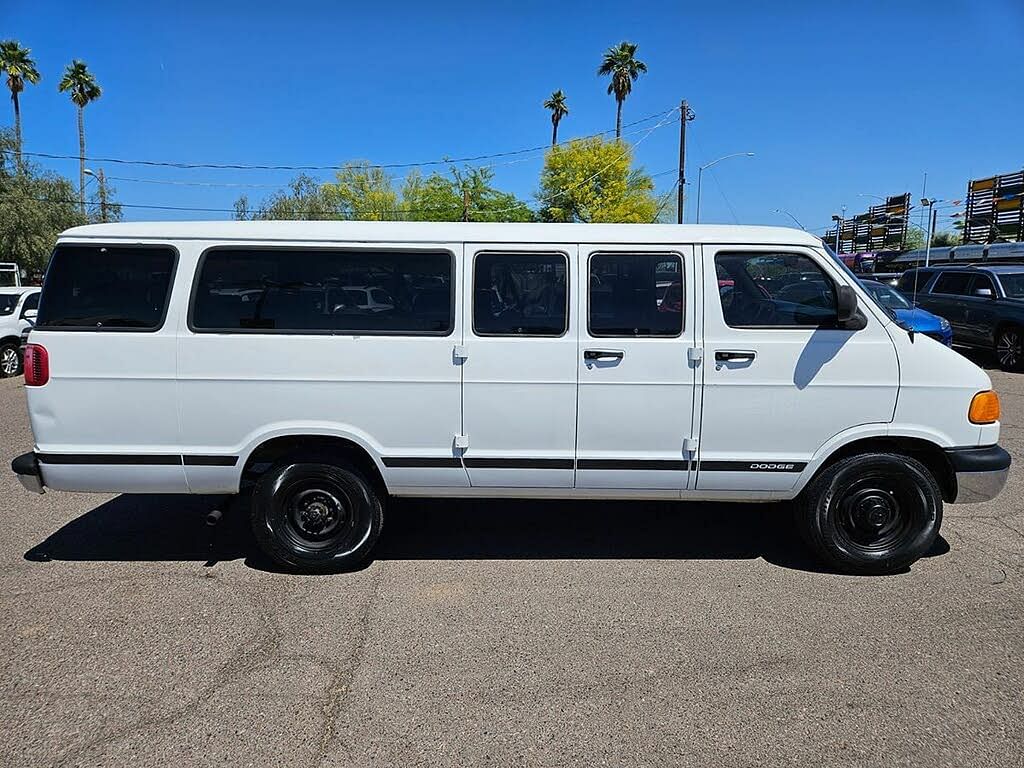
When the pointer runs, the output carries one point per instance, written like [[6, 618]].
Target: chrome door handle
[[734, 355], [602, 355]]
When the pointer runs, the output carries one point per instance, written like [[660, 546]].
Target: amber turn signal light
[[984, 408]]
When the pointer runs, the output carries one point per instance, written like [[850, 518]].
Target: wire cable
[[330, 167]]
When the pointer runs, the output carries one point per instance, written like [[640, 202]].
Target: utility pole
[[685, 115], [102, 195]]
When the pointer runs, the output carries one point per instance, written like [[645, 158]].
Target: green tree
[[621, 64], [945, 239], [79, 82], [362, 192], [593, 180], [16, 62], [468, 194], [913, 240], [303, 199], [559, 109], [35, 207]]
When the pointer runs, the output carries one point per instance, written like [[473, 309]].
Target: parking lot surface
[[505, 634]]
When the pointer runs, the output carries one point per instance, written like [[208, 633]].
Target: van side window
[[774, 289], [955, 283], [635, 294], [107, 288], [520, 294], [286, 290]]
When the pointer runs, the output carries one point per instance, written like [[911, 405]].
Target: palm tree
[[82, 86], [559, 109], [621, 63], [20, 69]]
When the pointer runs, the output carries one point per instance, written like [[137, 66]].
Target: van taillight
[[37, 365]]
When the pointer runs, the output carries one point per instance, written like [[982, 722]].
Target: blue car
[[906, 315]]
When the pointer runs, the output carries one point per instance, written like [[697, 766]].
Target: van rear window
[[284, 290], [106, 288]]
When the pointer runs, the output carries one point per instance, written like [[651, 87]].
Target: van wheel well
[[312, 448], [929, 454], [16, 340]]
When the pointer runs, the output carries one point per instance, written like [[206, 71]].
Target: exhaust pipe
[[213, 517]]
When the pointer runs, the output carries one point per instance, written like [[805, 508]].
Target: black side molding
[[135, 459], [990, 458]]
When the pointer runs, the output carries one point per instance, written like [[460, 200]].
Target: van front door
[[780, 379], [636, 386], [519, 366]]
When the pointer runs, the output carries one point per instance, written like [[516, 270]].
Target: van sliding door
[[519, 365]]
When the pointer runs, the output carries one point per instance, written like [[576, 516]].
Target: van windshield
[[106, 287], [8, 303]]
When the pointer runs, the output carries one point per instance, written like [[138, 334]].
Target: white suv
[[17, 311]]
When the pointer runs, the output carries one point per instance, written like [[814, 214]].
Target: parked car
[[984, 304], [516, 360], [907, 315], [17, 309]]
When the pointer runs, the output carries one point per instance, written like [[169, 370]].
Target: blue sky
[[836, 99]]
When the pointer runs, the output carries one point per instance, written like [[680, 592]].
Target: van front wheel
[[316, 517], [873, 513]]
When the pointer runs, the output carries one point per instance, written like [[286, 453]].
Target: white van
[[508, 360]]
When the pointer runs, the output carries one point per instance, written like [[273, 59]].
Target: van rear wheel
[[874, 513], [316, 516]]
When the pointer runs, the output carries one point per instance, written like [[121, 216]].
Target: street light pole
[[926, 203], [794, 218], [700, 173], [101, 191]]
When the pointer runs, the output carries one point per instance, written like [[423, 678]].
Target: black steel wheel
[[873, 513], [316, 517], [1010, 348]]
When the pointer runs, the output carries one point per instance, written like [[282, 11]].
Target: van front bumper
[[26, 467], [980, 472]]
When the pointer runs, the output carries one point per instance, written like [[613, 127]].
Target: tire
[[315, 517], [870, 514], [10, 360], [1009, 348]]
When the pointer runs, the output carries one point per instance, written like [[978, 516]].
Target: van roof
[[413, 232]]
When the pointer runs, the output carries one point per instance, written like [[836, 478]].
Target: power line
[[333, 167], [193, 209]]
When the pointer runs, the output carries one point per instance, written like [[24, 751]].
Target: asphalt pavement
[[503, 634]]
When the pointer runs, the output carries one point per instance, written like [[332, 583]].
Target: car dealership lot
[[506, 633]]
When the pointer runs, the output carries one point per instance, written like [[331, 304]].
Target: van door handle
[[734, 355], [602, 355]]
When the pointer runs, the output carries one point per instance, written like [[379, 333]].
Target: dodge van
[[312, 370]]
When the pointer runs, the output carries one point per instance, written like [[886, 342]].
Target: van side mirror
[[985, 293], [30, 315], [848, 316], [846, 304]]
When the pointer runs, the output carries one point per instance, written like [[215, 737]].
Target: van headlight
[[943, 324]]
